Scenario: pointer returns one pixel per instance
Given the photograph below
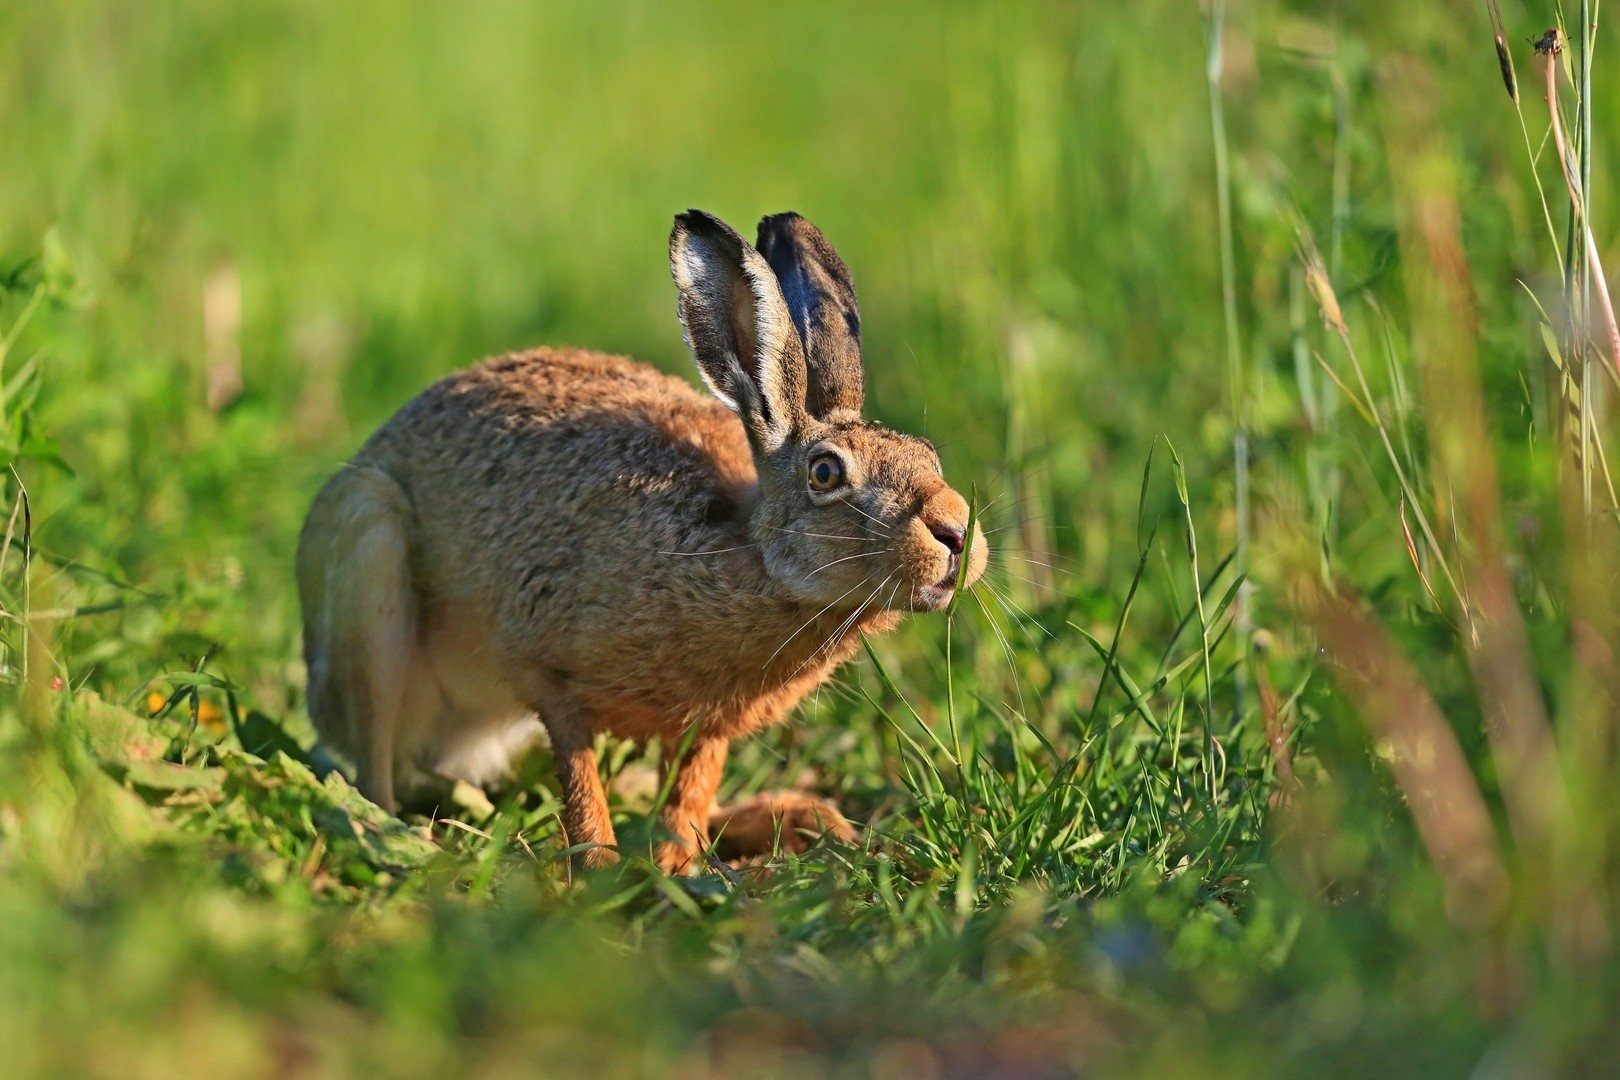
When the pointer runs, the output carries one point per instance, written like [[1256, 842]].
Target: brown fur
[[577, 537]]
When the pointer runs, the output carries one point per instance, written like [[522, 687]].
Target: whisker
[[1011, 525], [868, 517], [846, 558], [1001, 603], [810, 620], [819, 536], [856, 616], [1021, 577], [1013, 606], [1014, 510], [995, 524], [1021, 500], [712, 551], [1032, 567], [1002, 494], [1038, 562], [1006, 648], [838, 633]]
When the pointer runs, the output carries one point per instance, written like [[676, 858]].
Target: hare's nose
[[952, 536]]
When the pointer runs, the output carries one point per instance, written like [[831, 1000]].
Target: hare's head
[[851, 513]]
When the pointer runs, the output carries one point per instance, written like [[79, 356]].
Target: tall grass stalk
[[1588, 33], [1584, 272], [1591, 265], [1179, 473], [950, 625], [1236, 383]]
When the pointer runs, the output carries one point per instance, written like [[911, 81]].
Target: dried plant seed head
[[1504, 58], [1316, 280]]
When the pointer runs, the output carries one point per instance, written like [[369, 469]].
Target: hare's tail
[[360, 621]]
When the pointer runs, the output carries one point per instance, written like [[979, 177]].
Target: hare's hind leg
[[360, 620]]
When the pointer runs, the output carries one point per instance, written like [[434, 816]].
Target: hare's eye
[[826, 472]]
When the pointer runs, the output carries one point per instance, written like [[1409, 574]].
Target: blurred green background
[[1022, 191], [234, 237]]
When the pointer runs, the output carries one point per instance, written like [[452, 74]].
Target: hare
[[575, 541]]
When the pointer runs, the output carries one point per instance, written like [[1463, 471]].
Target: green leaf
[[166, 776]]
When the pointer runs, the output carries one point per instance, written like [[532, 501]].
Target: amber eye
[[826, 472]]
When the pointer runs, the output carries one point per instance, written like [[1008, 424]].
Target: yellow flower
[[211, 716]]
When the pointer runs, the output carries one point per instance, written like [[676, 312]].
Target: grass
[[1280, 736]]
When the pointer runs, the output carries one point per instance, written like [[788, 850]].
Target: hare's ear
[[738, 327], [821, 297]]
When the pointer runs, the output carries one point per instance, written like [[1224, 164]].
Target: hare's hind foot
[[749, 832], [774, 822]]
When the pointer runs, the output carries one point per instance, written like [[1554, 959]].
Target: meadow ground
[[1281, 735]]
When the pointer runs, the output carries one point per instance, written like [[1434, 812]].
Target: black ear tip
[[778, 226], [700, 221], [704, 226]]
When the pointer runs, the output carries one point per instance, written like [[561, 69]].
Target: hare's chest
[[731, 685], [730, 705]]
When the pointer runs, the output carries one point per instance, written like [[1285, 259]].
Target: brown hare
[[574, 541]]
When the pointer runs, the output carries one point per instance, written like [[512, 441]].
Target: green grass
[[1143, 802]]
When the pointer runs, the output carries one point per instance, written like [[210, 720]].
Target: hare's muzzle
[[945, 520]]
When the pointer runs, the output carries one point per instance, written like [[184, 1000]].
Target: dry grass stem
[[1421, 751], [1445, 332], [1550, 46]]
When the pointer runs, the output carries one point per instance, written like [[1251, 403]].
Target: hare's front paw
[[776, 821], [596, 858], [676, 859]]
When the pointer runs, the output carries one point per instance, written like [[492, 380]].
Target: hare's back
[[501, 414], [543, 453], [523, 389]]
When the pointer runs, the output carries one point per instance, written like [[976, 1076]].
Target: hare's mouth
[[936, 596]]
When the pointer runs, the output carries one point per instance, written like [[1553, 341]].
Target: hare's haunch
[[571, 540]]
